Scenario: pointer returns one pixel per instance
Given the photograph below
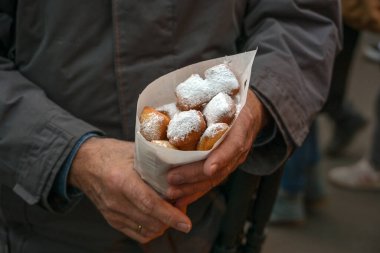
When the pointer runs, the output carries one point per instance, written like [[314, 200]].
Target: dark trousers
[[334, 106]]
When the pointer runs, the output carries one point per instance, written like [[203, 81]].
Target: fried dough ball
[[221, 109], [222, 79], [153, 124], [185, 129], [211, 135], [169, 109], [193, 93], [164, 143]]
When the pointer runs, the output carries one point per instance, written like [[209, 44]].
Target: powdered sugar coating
[[150, 128], [163, 143], [194, 92], [213, 129], [169, 109], [220, 109], [211, 136], [183, 124], [222, 79]]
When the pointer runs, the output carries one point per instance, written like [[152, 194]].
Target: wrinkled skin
[[103, 170], [191, 181]]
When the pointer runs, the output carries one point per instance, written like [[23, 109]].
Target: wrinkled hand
[[191, 181], [103, 170]]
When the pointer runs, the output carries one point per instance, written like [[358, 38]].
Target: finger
[[120, 205], [180, 191], [220, 158], [228, 150], [187, 174], [170, 215], [136, 235], [235, 144], [240, 138], [149, 203], [150, 224], [121, 223]]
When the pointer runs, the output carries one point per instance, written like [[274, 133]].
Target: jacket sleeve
[[36, 135], [297, 41]]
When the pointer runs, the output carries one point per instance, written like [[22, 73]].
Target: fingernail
[[176, 179], [183, 227]]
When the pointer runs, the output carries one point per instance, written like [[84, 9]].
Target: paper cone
[[152, 161]]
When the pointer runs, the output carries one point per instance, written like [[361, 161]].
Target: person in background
[[358, 16], [346, 120], [302, 177], [365, 174], [302, 186], [372, 52]]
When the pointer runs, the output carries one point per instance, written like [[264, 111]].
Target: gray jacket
[[69, 67]]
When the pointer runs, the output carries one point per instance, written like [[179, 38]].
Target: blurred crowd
[[303, 187]]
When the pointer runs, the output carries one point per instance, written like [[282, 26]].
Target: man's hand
[[103, 170], [191, 181]]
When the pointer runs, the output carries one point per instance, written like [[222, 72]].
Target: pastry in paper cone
[[185, 129], [222, 79], [153, 124], [221, 109], [193, 93], [168, 109], [164, 143], [211, 135]]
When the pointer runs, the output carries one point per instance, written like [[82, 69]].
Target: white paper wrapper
[[153, 161]]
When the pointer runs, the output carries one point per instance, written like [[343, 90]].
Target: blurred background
[[346, 220]]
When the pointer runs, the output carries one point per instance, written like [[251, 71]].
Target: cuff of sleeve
[[266, 135], [62, 197], [271, 148], [60, 186], [266, 159], [52, 143]]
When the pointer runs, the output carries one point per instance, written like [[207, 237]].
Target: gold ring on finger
[[139, 228]]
